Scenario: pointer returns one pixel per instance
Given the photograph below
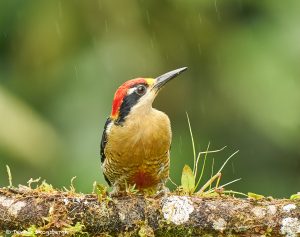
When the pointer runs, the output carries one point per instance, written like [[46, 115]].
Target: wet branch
[[55, 211]]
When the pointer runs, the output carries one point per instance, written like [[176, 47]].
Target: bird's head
[[138, 94]]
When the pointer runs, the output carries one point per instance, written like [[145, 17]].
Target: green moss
[[30, 232], [178, 231], [76, 230], [101, 192], [45, 187], [146, 231], [269, 231]]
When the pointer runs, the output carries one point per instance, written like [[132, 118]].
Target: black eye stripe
[[129, 101]]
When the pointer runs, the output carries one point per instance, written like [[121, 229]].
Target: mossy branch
[[54, 212]]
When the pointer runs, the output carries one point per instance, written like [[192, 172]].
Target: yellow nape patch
[[143, 180]]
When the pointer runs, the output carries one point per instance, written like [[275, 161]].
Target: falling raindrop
[[167, 56], [200, 18], [60, 12], [199, 48], [94, 42], [180, 144], [106, 25], [148, 17], [100, 4], [217, 10], [76, 72], [232, 167], [58, 29], [240, 3], [152, 40], [151, 43], [203, 108]]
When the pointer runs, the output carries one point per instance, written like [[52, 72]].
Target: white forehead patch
[[131, 90]]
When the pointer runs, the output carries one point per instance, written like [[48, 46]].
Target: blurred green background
[[61, 62]]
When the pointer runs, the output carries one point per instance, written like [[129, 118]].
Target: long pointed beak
[[163, 79]]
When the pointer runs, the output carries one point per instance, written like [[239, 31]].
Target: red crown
[[121, 93]]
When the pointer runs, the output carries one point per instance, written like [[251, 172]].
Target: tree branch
[[173, 215]]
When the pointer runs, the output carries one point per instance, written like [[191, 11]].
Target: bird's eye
[[141, 90]]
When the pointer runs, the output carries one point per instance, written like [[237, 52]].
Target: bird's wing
[[104, 140]]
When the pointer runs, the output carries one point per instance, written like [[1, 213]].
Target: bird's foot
[[123, 191], [163, 192]]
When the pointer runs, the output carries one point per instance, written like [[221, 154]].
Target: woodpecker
[[135, 145]]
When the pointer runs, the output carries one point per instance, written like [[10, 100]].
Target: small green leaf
[[188, 180], [295, 196], [255, 196], [101, 192]]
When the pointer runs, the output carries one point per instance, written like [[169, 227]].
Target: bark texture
[[55, 213]]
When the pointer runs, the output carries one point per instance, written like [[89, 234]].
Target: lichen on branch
[[53, 211]]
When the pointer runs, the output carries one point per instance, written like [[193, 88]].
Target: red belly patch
[[143, 180]]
